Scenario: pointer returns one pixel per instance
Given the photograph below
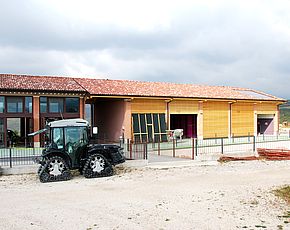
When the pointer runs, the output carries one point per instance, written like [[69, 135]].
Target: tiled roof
[[129, 88], [162, 89], [39, 83]]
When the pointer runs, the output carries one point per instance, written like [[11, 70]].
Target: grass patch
[[284, 193]]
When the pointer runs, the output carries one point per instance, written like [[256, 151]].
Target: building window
[[149, 127], [14, 104], [72, 105], [2, 104], [88, 113], [56, 105], [43, 104], [28, 104]]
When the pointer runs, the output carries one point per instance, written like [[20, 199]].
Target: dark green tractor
[[68, 148]]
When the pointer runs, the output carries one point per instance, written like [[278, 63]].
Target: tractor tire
[[55, 169], [40, 169], [97, 166]]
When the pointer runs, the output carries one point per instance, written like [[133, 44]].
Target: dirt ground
[[234, 195]]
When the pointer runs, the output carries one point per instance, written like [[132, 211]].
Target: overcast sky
[[218, 42]]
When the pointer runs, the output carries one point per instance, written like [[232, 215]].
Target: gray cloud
[[229, 43]]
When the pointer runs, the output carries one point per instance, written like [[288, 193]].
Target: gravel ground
[[234, 195]]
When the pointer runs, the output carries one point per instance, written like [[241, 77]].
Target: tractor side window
[[58, 137]]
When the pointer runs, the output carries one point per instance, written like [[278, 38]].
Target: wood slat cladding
[[242, 119], [266, 108], [183, 107], [215, 119], [148, 106]]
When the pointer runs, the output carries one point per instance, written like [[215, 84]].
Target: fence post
[[146, 145], [173, 147], [192, 156], [254, 143], [10, 157], [222, 145], [158, 148], [128, 145], [144, 151], [130, 149], [196, 146]]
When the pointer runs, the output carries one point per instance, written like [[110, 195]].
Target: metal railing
[[184, 148], [18, 156], [192, 148]]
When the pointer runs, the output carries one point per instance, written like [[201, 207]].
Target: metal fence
[[18, 156], [198, 148], [182, 148]]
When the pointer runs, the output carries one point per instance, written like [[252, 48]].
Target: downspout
[[168, 113]]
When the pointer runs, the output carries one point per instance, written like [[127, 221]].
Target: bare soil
[[234, 195]]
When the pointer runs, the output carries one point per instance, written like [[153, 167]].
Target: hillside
[[285, 112]]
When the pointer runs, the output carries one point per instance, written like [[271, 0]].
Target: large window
[[28, 104], [56, 105], [14, 104], [72, 105], [43, 104], [149, 127], [88, 113], [2, 104], [59, 105]]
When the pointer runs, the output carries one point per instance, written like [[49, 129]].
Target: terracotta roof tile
[[38, 83], [128, 88], [162, 89]]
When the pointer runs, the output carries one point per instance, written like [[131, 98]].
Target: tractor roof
[[69, 123]]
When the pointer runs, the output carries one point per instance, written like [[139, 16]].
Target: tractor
[[68, 147]]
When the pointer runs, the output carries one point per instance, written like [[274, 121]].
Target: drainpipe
[[230, 118], [168, 112]]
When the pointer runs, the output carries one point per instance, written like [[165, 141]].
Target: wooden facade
[[183, 107], [215, 119], [148, 106], [242, 119]]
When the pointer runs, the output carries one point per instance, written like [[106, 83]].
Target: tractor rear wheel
[[97, 166], [55, 169]]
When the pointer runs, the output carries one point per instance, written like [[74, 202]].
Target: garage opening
[[265, 124], [187, 122]]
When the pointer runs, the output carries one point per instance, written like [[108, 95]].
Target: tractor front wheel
[[55, 169]]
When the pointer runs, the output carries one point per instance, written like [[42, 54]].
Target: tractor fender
[[101, 151], [54, 152]]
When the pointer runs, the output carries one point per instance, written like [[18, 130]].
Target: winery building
[[141, 111]]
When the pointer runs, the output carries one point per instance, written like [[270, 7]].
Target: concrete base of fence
[[135, 163], [180, 164], [23, 169]]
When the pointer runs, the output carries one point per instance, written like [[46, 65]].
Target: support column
[[276, 121], [82, 107], [200, 120], [36, 120], [230, 120], [127, 122], [167, 114], [255, 120]]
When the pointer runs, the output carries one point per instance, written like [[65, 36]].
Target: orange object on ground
[[264, 154]]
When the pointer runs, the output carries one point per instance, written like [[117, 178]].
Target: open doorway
[[265, 124], [187, 122]]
